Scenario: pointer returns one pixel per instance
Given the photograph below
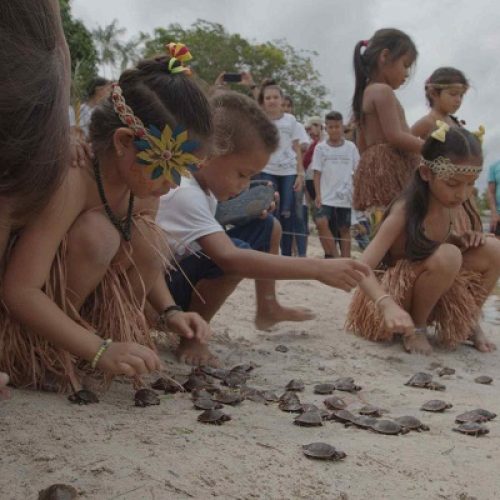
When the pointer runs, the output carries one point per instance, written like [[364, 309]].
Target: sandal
[[247, 206]]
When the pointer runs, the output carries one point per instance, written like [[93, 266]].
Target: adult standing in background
[[494, 197]]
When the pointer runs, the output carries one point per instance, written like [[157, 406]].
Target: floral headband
[[167, 152], [443, 167]]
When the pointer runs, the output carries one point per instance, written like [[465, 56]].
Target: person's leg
[[435, 276], [322, 219], [299, 224], [287, 205], [342, 220], [264, 235], [485, 260]]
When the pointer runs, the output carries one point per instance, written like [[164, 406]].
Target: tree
[[215, 50], [82, 50], [109, 46]]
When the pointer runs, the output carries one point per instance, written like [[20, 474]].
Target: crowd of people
[[127, 238]]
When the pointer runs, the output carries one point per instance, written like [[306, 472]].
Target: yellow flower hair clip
[[479, 133], [440, 133], [168, 153]]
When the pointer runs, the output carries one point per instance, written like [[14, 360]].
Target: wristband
[[100, 352], [381, 298], [169, 312]]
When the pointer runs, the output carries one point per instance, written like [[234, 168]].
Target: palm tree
[[108, 45], [132, 51]]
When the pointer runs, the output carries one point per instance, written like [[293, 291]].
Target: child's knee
[[94, 238], [447, 259]]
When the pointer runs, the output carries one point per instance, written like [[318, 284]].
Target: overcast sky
[[460, 33]]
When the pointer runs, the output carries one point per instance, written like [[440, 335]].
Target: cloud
[[456, 33]]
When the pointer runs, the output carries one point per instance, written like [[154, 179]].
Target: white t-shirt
[[187, 214], [304, 139], [337, 165], [85, 116], [284, 160]]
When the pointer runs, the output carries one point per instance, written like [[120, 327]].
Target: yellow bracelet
[[381, 298], [100, 352]]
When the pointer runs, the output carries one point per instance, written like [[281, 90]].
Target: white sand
[[114, 450]]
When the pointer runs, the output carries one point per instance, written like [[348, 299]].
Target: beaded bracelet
[[381, 298], [100, 352]]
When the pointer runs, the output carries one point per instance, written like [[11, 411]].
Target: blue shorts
[[255, 235]]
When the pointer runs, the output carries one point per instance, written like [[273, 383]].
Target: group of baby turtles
[[214, 388]]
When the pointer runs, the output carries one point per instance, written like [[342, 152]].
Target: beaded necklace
[[124, 228]]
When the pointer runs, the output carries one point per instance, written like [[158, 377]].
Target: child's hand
[[396, 319], [317, 201], [129, 358], [342, 273], [471, 239], [189, 325], [272, 206]]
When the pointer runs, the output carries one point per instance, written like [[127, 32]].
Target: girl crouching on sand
[[79, 274], [433, 276]]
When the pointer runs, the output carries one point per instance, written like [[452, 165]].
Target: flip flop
[[247, 206]]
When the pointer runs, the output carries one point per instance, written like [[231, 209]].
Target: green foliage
[[215, 50], [82, 50]]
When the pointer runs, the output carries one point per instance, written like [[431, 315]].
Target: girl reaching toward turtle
[[433, 275], [78, 300]]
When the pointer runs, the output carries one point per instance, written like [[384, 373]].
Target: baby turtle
[[83, 397], [476, 416], [334, 403], [58, 492], [228, 397], [483, 379], [344, 416], [270, 396], [436, 405], [446, 371], [424, 381], [146, 397], [207, 404], [289, 396], [168, 386], [411, 423], [309, 419], [198, 382], [253, 394], [472, 429], [291, 406], [322, 451], [388, 427], [364, 421], [244, 368], [372, 411], [218, 373], [215, 417], [281, 348], [324, 389], [306, 407], [295, 385], [346, 384]]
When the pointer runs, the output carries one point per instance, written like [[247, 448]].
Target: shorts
[[255, 235], [338, 217]]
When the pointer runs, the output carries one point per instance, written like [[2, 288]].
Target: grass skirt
[[454, 316], [112, 310], [382, 174]]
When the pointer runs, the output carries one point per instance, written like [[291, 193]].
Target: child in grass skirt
[[433, 275]]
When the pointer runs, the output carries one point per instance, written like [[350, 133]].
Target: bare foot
[[4, 390], [481, 342], [276, 314], [417, 344], [195, 353]]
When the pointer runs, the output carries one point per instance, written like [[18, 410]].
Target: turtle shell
[[485, 413], [436, 405], [244, 368], [168, 386], [472, 416], [206, 404], [218, 373], [446, 371], [334, 403], [364, 421], [290, 406], [324, 389], [322, 451], [235, 379], [58, 492], [420, 379], [309, 419], [146, 397], [343, 416], [483, 379], [346, 384], [83, 397], [472, 428], [270, 396], [228, 397], [411, 423], [295, 385], [388, 427], [372, 411], [216, 417]]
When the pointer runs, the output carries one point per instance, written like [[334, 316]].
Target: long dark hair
[[365, 64], [460, 144], [34, 103], [157, 98]]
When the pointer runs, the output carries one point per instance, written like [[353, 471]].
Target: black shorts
[[338, 217]]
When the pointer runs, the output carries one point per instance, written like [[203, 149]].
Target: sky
[[458, 33]]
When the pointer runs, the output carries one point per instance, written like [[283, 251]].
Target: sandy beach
[[114, 450]]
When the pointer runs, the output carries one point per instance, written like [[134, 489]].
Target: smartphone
[[232, 77]]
